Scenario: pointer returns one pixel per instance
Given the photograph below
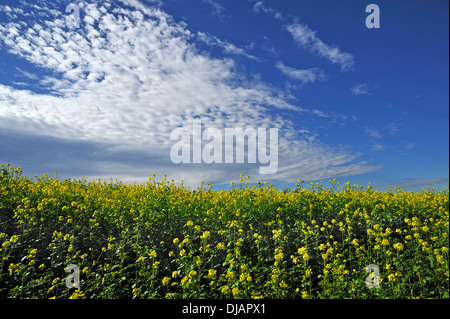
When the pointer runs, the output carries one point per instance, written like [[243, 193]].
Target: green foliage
[[158, 240]]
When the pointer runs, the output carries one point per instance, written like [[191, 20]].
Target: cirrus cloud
[[307, 38]]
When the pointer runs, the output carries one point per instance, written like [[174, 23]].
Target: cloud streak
[[373, 132], [417, 183], [217, 7], [361, 89], [303, 75], [306, 38], [228, 48]]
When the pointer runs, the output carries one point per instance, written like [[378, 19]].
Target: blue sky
[[100, 99]]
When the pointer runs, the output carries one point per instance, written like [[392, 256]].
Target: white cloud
[[361, 89], [411, 145], [373, 132], [393, 128], [306, 38], [228, 48], [302, 75], [378, 147], [217, 7], [417, 183], [260, 7], [127, 77]]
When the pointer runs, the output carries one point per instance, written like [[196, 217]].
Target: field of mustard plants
[[159, 240]]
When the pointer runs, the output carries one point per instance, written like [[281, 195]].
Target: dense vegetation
[[159, 240]]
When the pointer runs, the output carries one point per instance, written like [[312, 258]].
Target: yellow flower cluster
[[158, 239]]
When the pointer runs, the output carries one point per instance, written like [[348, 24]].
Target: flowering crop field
[[160, 240]]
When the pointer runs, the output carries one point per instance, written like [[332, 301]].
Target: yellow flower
[[14, 238], [165, 280], [221, 246], [212, 273], [278, 256], [398, 246], [183, 281], [385, 242], [205, 235], [140, 259], [276, 233], [189, 223], [11, 268], [176, 241], [78, 294], [152, 254], [229, 276]]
